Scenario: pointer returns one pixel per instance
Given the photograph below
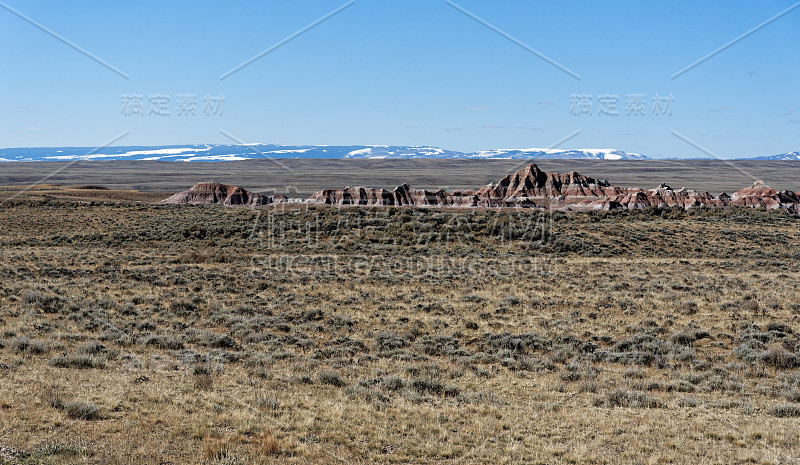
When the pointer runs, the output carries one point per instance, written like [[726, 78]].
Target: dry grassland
[[179, 334]]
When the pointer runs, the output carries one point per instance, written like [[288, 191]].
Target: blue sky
[[411, 72]]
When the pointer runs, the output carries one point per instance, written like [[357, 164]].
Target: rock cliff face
[[222, 194], [531, 187]]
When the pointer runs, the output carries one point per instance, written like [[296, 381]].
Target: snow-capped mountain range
[[782, 156], [226, 152], [208, 152]]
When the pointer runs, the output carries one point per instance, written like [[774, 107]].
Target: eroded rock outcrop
[[761, 195], [533, 182], [222, 194], [531, 187]]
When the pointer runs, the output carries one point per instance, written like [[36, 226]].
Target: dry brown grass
[[212, 335], [84, 193]]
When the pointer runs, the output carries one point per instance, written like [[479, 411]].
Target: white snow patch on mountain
[[91, 156], [360, 153], [227, 157], [289, 151], [782, 156], [163, 151], [597, 154]]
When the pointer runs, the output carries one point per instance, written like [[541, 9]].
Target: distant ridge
[[211, 153], [781, 156], [235, 152], [524, 154]]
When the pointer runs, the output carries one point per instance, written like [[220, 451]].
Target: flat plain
[[140, 333], [302, 177]]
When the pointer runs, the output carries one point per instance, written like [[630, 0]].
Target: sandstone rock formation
[[222, 194], [531, 187], [761, 195]]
